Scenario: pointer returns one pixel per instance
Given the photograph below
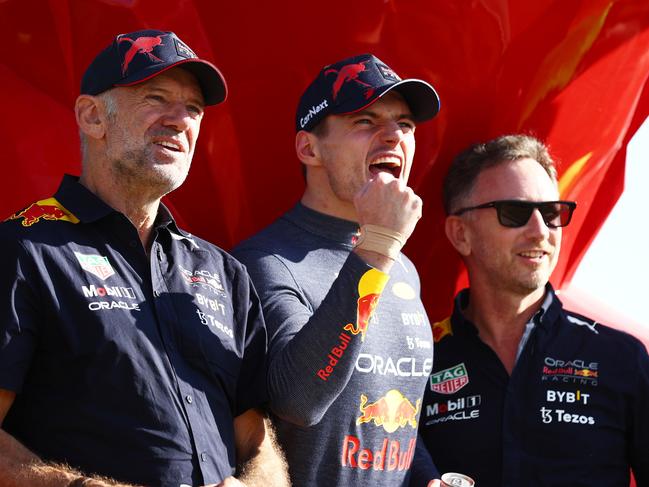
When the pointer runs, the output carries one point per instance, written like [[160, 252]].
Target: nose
[[177, 116], [392, 133], [536, 227]]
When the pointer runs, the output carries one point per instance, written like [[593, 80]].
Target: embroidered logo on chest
[[449, 381], [201, 278], [97, 265]]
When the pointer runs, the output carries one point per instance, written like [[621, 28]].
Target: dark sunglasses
[[516, 213]]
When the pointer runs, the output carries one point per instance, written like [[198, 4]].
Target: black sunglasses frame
[[499, 205]]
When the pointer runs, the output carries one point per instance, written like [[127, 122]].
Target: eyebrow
[[371, 113], [193, 100]]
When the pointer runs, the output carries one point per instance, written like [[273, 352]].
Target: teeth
[[386, 161], [170, 145], [532, 254]]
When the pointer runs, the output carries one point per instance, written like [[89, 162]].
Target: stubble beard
[[528, 282], [138, 170], [344, 189], [510, 277]]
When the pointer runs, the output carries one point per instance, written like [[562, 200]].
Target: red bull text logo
[[335, 354], [390, 456], [370, 287], [49, 209], [392, 411], [570, 371]]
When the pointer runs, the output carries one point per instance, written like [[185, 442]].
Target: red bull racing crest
[[49, 209], [370, 287], [392, 411]]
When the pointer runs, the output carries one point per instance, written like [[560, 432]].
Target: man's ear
[[458, 234], [90, 116], [306, 148]]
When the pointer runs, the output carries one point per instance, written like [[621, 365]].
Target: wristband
[[380, 240]]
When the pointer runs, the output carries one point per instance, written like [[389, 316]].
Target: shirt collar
[[547, 302], [165, 219], [544, 316], [80, 201], [88, 208]]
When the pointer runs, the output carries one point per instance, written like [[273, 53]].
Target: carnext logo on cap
[[312, 112]]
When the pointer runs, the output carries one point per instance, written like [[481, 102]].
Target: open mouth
[[170, 145], [533, 254], [392, 168]]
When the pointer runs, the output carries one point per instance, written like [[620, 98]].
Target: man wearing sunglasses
[[524, 392]]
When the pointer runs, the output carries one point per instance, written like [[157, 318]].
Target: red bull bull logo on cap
[[392, 411], [370, 287], [349, 73], [141, 45], [49, 209]]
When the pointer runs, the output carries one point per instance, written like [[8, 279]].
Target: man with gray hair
[[130, 350], [524, 392]]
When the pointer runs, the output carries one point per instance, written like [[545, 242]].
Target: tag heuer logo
[[449, 381], [95, 264]]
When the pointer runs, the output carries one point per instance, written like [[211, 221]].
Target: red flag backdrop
[[572, 73]]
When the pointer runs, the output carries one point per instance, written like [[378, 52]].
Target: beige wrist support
[[380, 240]]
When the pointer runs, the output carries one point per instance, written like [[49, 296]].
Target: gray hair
[[110, 105]]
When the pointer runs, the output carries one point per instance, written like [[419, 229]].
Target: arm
[[19, 328], [312, 354], [20, 467], [313, 351], [18, 319], [388, 203], [423, 472], [260, 461]]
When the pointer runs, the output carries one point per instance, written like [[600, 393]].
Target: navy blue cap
[[355, 83], [138, 56]]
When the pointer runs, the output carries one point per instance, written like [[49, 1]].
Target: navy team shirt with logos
[[125, 365], [575, 411]]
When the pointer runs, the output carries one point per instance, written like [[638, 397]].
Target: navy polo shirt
[[574, 412], [125, 365]]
